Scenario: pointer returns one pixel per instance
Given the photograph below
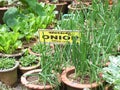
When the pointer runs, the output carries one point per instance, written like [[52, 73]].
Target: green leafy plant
[[4, 28], [29, 60], [28, 21], [111, 73], [6, 63], [24, 24], [36, 7], [9, 42], [45, 11]]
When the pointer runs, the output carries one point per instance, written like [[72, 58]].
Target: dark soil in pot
[[31, 80], [29, 43]]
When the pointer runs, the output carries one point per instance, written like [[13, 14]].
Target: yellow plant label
[[59, 36]]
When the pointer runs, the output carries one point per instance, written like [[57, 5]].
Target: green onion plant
[[98, 28]]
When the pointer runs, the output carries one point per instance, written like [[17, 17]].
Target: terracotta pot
[[33, 53], [75, 86], [2, 11], [110, 2], [38, 54], [74, 9], [32, 86], [61, 8], [9, 76], [26, 69], [16, 55]]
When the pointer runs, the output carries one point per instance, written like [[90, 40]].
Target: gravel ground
[[18, 86]]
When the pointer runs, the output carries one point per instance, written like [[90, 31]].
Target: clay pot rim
[[33, 53], [32, 43], [38, 54], [85, 3], [58, 4], [4, 8], [11, 69], [12, 55], [75, 85], [29, 67], [30, 85]]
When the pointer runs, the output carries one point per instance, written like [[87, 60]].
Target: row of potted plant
[[107, 70], [9, 67], [99, 39], [20, 30], [97, 42], [21, 25]]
